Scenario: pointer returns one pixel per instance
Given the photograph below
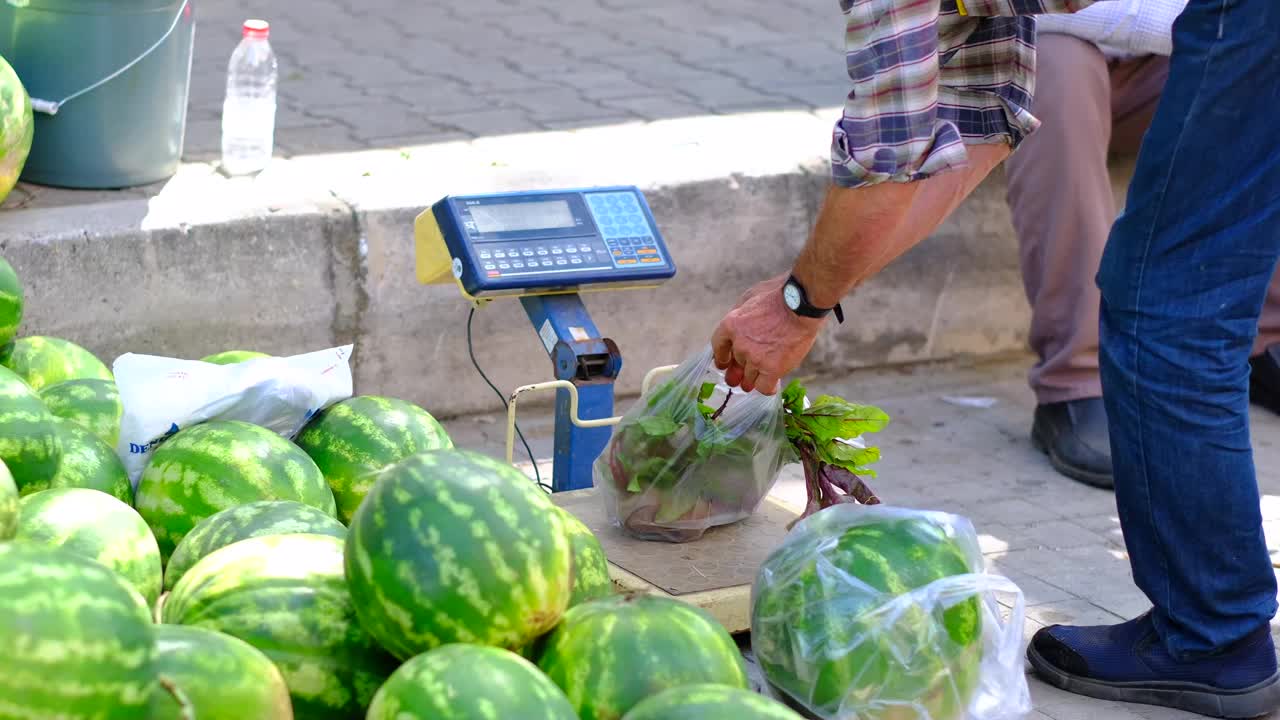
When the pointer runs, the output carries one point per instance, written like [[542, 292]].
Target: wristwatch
[[797, 300]]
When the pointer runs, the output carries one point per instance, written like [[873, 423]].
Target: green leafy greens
[[649, 457], [834, 466]]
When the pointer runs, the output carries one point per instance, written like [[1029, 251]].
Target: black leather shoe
[[1264, 380], [1074, 436]]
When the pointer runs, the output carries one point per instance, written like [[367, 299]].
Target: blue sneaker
[[1129, 663]]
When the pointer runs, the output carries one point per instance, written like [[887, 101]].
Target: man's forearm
[[861, 230]]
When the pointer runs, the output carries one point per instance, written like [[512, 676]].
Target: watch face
[[791, 296]]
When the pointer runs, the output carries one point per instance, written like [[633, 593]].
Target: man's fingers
[[733, 376], [749, 377], [768, 384], [722, 347]]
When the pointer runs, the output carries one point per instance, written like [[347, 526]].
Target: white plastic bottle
[[249, 111]]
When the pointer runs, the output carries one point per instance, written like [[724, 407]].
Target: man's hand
[[858, 232], [760, 340]]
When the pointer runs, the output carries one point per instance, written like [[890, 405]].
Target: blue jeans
[[1183, 280]]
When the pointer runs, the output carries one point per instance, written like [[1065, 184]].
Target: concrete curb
[[317, 251]]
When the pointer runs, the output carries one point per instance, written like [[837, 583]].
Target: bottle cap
[[257, 29]]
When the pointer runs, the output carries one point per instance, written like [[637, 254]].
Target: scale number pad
[[499, 260], [625, 229]]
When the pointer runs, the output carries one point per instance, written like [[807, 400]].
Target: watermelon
[[710, 702], [8, 504], [286, 595], [92, 403], [231, 357], [826, 637], [354, 438], [78, 643], [17, 128], [30, 441], [43, 361], [469, 682], [258, 519], [11, 295], [609, 654], [590, 572], [87, 462], [218, 465], [220, 677], [590, 567], [453, 546], [97, 526]]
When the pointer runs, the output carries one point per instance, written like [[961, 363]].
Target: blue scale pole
[[569, 336]]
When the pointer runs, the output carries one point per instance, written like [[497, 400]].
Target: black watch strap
[[808, 309]]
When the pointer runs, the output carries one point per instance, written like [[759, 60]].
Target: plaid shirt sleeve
[[929, 76]]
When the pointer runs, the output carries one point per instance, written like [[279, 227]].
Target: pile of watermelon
[[363, 569]]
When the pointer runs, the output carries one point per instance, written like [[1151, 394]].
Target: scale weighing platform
[[546, 247]]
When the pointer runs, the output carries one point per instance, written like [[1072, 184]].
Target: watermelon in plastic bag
[[881, 613]]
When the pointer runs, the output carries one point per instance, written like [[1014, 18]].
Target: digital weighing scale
[[546, 247]]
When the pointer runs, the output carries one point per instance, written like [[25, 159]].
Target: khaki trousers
[[1060, 195]]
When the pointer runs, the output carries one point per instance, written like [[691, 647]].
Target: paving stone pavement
[[1058, 540], [387, 73]]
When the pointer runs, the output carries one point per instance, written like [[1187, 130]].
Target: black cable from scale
[[471, 351]]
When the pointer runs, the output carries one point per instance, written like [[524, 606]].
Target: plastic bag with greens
[[692, 455]]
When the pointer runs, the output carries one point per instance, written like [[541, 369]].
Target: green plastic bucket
[[115, 74]]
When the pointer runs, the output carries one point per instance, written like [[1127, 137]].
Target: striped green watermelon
[[352, 439], [11, 294], [231, 357], [87, 462], [97, 526], [590, 567], [826, 589], [8, 504], [17, 128], [453, 546], [286, 595], [257, 519], [469, 682], [608, 655], [30, 441], [92, 403], [78, 644], [221, 677], [218, 465], [710, 702], [43, 361]]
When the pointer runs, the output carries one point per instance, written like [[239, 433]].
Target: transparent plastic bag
[[691, 455], [836, 645]]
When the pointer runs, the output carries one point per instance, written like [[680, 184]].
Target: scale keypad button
[[517, 265], [650, 260], [485, 255], [490, 266], [504, 266], [542, 251], [627, 261], [575, 260], [546, 263], [527, 253], [556, 251]]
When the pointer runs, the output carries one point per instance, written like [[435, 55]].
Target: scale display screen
[[563, 240], [545, 214]]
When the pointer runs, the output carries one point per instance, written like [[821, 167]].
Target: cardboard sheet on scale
[[724, 557]]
